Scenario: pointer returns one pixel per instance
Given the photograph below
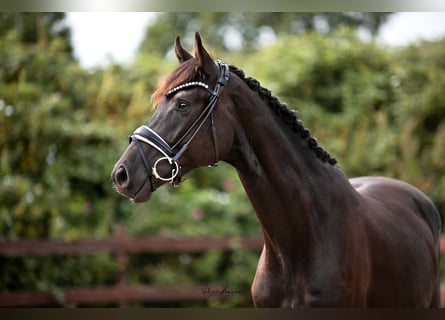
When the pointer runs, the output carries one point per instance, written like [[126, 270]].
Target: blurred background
[[370, 90]]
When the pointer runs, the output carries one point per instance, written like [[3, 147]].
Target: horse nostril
[[121, 176]]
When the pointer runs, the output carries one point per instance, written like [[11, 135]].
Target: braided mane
[[290, 116], [186, 72]]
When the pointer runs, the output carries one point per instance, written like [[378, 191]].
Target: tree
[[36, 27], [248, 28]]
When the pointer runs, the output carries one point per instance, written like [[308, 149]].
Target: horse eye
[[181, 105]]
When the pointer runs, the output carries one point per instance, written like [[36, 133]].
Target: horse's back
[[402, 217], [396, 191]]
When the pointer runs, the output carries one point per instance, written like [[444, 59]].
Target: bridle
[[149, 136]]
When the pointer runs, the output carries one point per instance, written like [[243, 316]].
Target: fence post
[[122, 261]]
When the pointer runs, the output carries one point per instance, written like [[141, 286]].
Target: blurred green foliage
[[227, 31], [378, 110]]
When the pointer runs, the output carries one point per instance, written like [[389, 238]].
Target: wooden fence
[[121, 247]]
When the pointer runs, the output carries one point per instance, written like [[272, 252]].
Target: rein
[[147, 135]]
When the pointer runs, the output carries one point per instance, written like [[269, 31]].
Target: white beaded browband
[[187, 85]]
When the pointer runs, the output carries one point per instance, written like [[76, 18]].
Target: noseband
[[149, 136]]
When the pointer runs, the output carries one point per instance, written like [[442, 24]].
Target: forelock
[[185, 72]]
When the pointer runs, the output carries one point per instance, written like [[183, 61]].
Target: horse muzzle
[[137, 190]]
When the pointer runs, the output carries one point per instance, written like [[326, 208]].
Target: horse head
[[188, 129]]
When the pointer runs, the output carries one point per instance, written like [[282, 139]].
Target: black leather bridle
[[171, 154]]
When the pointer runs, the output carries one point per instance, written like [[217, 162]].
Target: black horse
[[329, 241]]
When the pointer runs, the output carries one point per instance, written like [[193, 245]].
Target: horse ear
[[205, 64], [181, 54]]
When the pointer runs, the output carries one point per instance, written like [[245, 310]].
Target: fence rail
[[120, 294], [122, 246]]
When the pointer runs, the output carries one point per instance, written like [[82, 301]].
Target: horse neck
[[290, 189]]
